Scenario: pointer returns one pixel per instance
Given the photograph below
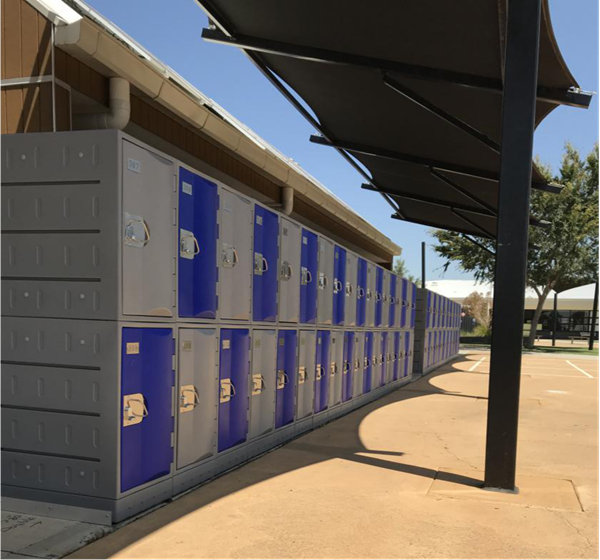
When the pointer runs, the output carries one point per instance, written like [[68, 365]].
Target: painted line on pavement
[[475, 365], [579, 369]]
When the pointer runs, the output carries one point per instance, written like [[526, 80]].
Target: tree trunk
[[536, 317]]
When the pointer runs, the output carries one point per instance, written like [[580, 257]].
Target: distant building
[[574, 306]]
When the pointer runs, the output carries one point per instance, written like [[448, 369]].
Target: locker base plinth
[[86, 509]]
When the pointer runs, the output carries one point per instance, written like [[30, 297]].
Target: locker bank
[[177, 296]]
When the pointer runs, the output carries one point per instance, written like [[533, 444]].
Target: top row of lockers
[[441, 312], [100, 226]]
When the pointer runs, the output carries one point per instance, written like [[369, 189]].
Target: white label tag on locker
[[134, 165], [259, 220], [304, 241], [186, 188], [226, 344], [133, 348], [186, 346]]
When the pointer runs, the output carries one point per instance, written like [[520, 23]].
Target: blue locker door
[[413, 310], [308, 281], [392, 307], [287, 342], [198, 203], [361, 291], [234, 370], [147, 380], [348, 367], [403, 312], [266, 267], [378, 296], [406, 353], [339, 285], [368, 362], [322, 370]]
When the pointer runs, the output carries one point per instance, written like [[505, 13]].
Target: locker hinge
[[172, 439]]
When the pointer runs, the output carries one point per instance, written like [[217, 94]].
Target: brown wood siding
[[26, 41], [26, 52], [80, 77]]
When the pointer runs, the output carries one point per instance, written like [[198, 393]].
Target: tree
[[478, 306], [400, 269], [563, 256]]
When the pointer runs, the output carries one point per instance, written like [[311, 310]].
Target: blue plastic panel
[[266, 265], [368, 362], [384, 361], [413, 306], [234, 369], [348, 367], [393, 300], [287, 367], [198, 205], [404, 303], [322, 370], [308, 285], [147, 369], [378, 296], [361, 292], [339, 285]]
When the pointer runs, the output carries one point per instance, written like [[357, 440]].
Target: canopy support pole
[[518, 122]]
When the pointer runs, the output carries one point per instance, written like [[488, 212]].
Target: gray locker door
[[262, 383], [307, 347], [197, 395], [385, 307], [336, 367], [325, 291], [351, 278], [376, 358], [235, 259], [371, 274], [289, 276], [359, 364], [149, 233], [391, 360]]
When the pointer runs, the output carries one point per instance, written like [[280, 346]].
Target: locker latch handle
[[320, 372], [377, 296], [258, 384], [183, 245], [227, 391], [333, 369], [367, 362], [302, 374], [130, 231], [286, 270], [356, 364], [337, 286], [349, 289], [185, 404], [360, 292], [323, 281], [306, 276], [229, 256], [282, 379], [346, 367], [369, 294], [130, 416]]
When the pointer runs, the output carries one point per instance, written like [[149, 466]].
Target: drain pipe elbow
[[119, 109], [287, 200]]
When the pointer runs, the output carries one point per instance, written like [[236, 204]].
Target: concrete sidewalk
[[400, 478]]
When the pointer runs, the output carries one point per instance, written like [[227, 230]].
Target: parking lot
[[401, 477]]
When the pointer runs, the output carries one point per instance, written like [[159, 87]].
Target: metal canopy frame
[[574, 98], [520, 92]]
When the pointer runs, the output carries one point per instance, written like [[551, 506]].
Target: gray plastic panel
[[236, 257], [262, 383], [307, 348], [359, 364], [51, 388], [351, 279], [149, 258], [385, 306], [375, 360], [51, 432], [325, 282], [289, 278], [197, 392], [336, 368], [60, 215], [370, 296]]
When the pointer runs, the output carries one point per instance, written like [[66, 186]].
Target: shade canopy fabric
[[409, 92]]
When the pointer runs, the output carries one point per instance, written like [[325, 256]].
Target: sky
[[229, 78]]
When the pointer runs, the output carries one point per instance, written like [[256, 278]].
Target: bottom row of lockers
[[89, 407], [439, 346]]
